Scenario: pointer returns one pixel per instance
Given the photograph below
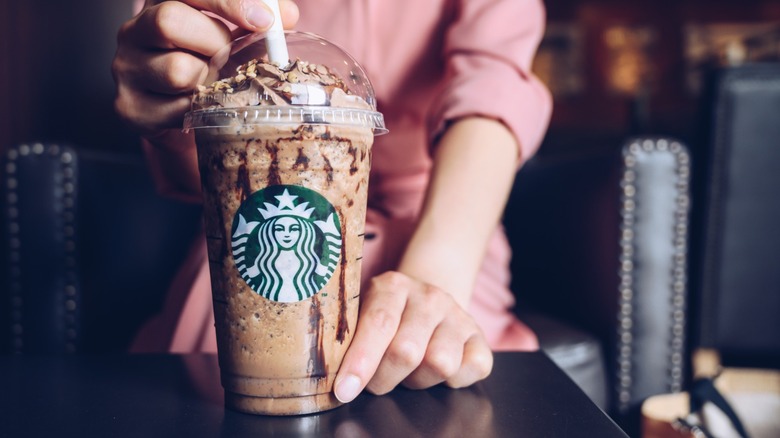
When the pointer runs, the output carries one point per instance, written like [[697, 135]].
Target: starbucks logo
[[286, 242]]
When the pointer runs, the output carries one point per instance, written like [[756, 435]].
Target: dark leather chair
[[738, 282], [599, 268], [89, 249]]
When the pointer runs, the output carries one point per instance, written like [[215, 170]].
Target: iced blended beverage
[[284, 156]]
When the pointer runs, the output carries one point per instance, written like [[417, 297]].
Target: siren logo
[[286, 242]]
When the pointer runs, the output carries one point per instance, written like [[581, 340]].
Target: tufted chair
[[88, 248], [600, 267]]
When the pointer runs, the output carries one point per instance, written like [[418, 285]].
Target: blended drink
[[284, 157]]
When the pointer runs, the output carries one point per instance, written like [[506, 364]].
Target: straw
[[275, 41]]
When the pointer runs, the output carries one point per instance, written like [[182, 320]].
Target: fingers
[[161, 56], [175, 25], [443, 357], [181, 25], [154, 88], [151, 113], [166, 72], [422, 343], [252, 15], [163, 52], [458, 355], [476, 365], [380, 315], [413, 333], [290, 13]]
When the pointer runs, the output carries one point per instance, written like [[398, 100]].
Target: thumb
[[252, 15]]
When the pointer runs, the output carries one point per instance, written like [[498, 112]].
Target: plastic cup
[[284, 170]]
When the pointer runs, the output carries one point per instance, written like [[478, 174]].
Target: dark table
[[180, 396]]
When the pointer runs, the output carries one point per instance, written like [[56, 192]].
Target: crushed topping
[[274, 85]]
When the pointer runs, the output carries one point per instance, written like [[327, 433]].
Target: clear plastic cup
[[284, 157]]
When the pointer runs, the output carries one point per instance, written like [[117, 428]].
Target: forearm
[[474, 166]]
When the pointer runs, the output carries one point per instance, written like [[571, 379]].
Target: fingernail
[[347, 388], [259, 17]]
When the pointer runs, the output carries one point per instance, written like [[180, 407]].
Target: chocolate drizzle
[[273, 168], [301, 161], [343, 326], [317, 365], [352, 151], [226, 244], [242, 178], [328, 169]]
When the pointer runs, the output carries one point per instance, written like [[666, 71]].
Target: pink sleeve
[[488, 52]]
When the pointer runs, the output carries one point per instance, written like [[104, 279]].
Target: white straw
[[275, 41]]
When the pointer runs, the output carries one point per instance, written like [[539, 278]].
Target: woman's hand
[[163, 54], [408, 330], [411, 333]]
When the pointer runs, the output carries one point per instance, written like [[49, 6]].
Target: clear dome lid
[[322, 84]]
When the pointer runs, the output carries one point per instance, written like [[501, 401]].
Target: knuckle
[[382, 320], [120, 67], [119, 103], [441, 364], [181, 71], [229, 5], [119, 109], [482, 364], [433, 293], [124, 31], [122, 105], [438, 300], [117, 68], [229, 9], [405, 354], [290, 12], [168, 19], [391, 280]]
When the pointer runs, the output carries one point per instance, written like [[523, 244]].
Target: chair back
[[740, 275], [87, 248], [601, 241]]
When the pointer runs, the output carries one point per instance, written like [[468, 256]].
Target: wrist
[[442, 265]]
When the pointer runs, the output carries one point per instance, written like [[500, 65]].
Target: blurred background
[[55, 73], [615, 67]]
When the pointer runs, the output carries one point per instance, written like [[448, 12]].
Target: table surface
[[175, 395]]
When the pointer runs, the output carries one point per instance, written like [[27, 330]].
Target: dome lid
[[322, 84]]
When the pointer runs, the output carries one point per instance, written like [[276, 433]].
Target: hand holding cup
[[163, 54]]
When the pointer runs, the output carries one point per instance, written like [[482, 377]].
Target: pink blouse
[[430, 62]]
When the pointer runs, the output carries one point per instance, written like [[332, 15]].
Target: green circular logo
[[286, 242]]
